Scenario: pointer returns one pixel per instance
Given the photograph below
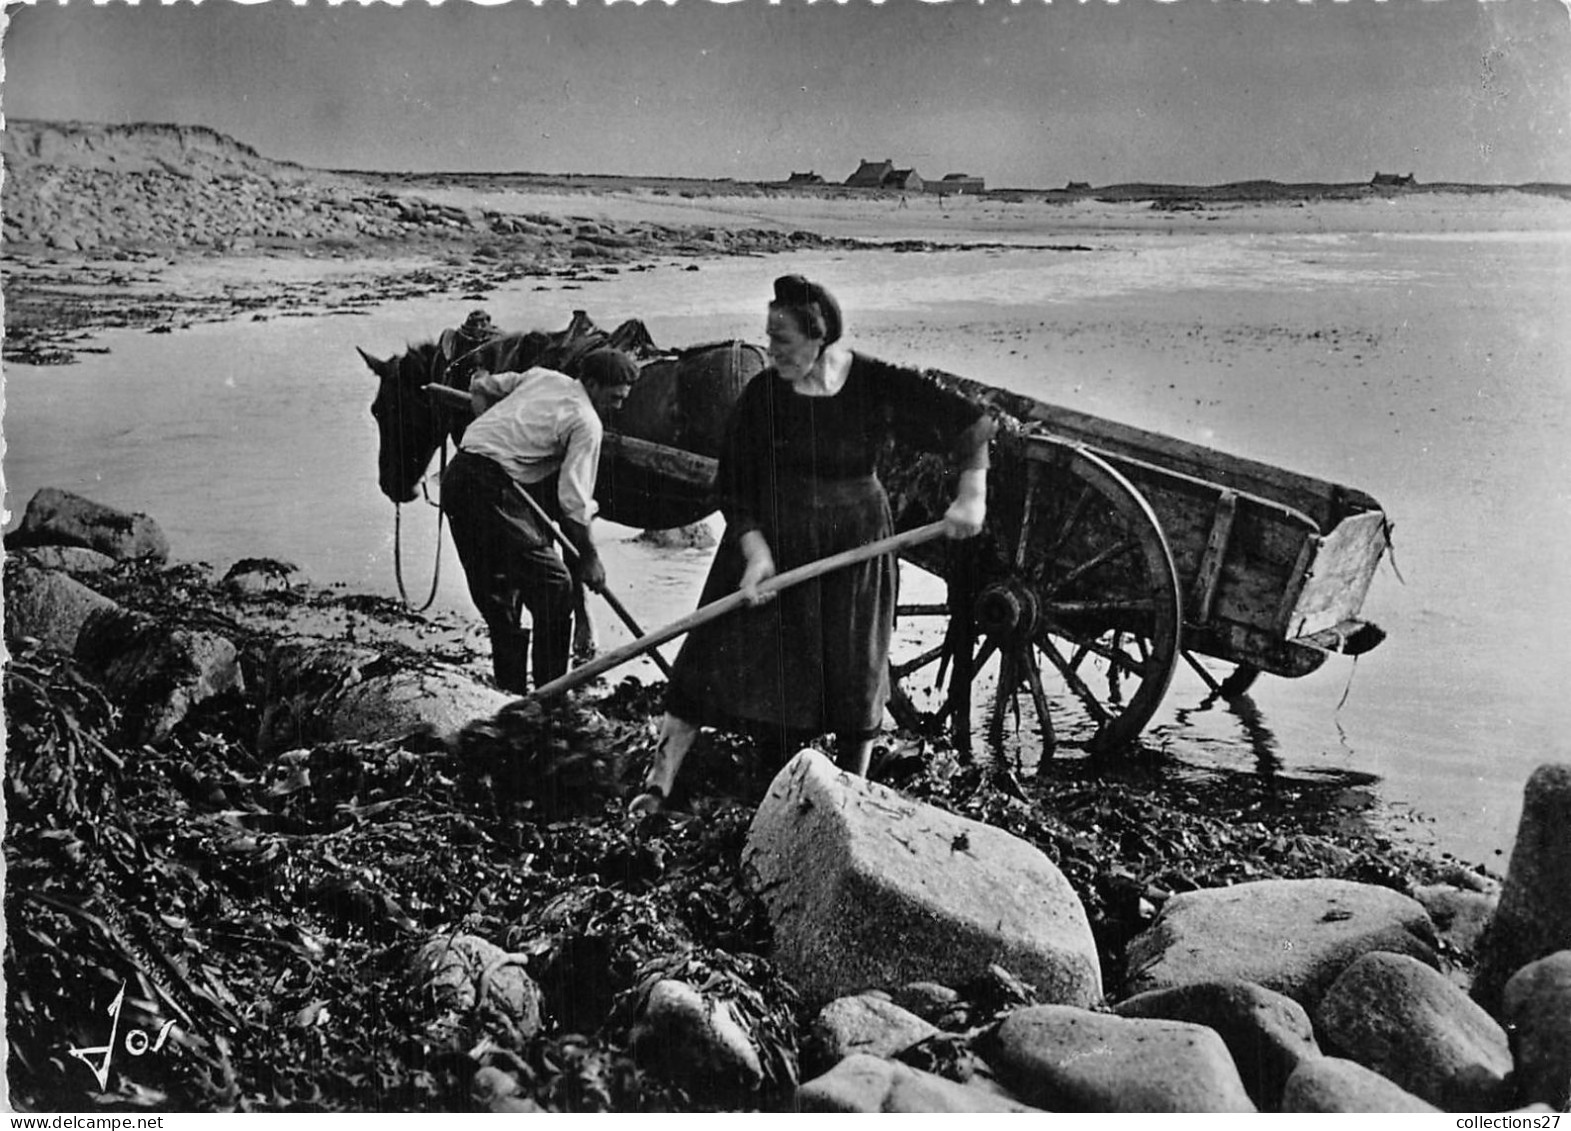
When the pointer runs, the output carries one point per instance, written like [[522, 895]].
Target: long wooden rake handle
[[733, 601]]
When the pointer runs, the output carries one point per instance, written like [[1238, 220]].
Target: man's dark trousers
[[511, 563]]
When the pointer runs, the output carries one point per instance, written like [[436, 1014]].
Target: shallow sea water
[[1432, 372]]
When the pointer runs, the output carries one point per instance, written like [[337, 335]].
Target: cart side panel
[[1264, 565], [1338, 579], [1314, 497], [1325, 503], [1239, 558]]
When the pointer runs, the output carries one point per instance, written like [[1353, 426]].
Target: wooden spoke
[[985, 653], [1085, 567], [1072, 678], [1067, 527], [1103, 609], [900, 671], [1044, 713], [1209, 679], [1027, 513], [1234, 684], [1008, 683], [1110, 652]]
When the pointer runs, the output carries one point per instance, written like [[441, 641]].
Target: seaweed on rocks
[[262, 913]]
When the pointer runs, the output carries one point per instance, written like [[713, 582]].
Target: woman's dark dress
[[800, 469]]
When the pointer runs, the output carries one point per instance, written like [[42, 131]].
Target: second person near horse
[[536, 433]]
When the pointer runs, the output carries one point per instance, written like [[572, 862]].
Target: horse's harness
[[441, 516]]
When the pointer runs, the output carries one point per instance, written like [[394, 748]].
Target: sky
[[1028, 94]]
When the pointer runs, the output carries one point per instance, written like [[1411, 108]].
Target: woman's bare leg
[[676, 739], [853, 753]]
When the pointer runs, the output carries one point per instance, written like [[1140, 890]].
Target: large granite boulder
[[72, 559], [1291, 936], [1330, 1084], [694, 1040], [156, 672], [936, 1004], [1534, 916], [313, 692], [250, 576], [58, 518], [1267, 1033], [865, 1083], [1408, 1022], [1062, 1058], [1460, 915], [866, 1023], [499, 1092], [866, 889], [1536, 1009], [48, 605]]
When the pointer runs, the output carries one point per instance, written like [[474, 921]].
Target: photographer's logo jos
[[136, 1042]]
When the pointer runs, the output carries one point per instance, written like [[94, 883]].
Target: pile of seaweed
[[234, 934]]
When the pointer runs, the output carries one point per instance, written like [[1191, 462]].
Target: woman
[[796, 483]]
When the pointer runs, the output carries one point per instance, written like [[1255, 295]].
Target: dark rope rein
[[398, 530], [398, 544]]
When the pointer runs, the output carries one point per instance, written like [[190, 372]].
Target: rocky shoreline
[[96, 218], [299, 825]]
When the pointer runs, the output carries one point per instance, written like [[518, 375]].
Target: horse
[[682, 399], [412, 426]]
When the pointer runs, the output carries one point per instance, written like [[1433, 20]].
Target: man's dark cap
[[608, 367], [477, 325]]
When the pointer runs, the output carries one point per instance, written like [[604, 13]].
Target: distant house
[[870, 174], [804, 179], [957, 184], [1393, 180], [903, 180], [1078, 186]]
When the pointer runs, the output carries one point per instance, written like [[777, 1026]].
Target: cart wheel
[[1082, 610]]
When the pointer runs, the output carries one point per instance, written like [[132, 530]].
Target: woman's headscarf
[[812, 302]]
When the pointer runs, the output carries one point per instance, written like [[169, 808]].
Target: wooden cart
[[1110, 554]]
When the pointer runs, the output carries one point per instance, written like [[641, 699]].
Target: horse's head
[[409, 427]]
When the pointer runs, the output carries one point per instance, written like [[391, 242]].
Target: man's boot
[[510, 661]]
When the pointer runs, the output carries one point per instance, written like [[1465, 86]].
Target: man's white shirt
[[543, 422]]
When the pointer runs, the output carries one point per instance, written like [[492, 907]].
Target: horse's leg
[[586, 640]]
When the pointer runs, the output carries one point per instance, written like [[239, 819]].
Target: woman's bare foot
[[651, 800]]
